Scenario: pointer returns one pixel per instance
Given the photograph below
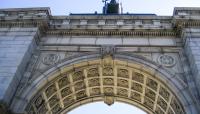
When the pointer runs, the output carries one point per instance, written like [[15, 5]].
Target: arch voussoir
[[73, 83]]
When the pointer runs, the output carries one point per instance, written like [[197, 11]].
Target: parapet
[[24, 13]]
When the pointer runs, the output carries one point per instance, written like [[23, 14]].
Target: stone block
[[101, 22], [120, 22], [90, 41], [2, 33], [109, 41], [23, 38], [5, 38], [156, 22], [138, 22], [83, 22], [8, 69], [162, 41], [2, 89], [14, 42], [135, 41], [65, 40], [4, 29], [5, 80], [15, 51], [51, 40], [14, 29]]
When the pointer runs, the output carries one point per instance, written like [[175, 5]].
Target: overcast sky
[[64, 7]]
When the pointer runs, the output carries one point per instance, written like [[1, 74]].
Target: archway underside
[[108, 80]]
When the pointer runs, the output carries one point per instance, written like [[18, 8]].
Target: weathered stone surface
[[192, 49], [15, 53], [149, 60]]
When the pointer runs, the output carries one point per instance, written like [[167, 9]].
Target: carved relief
[[148, 103], [122, 83], [170, 111], [108, 71], [51, 59], [107, 50], [78, 76], [164, 93], [56, 109], [166, 60], [136, 87], [39, 101], [136, 96], [108, 81], [79, 85], [93, 72], [63, 82], [53, 100], [67, 101], [95, 91], [108, 90], [80, 95], [108, 61], [50, 90], [176, 106], [162, 103], [42, 109], [145, 93], [94, 82], [70, 54], [138, 77], [109, 100], [65, 92], [159, 111], [122, 73], [152, 84], [31, 111], [122, 92], [150, 94]]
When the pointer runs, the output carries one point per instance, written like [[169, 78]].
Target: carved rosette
[[166, 60], [51, 59]]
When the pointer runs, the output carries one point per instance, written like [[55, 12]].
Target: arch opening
[[102, 108], [105, 80]]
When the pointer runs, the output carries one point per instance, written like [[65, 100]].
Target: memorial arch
[[53, 64], [124, 78]]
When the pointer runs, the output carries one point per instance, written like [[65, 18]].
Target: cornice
[[145, 25], [184, 23], [22, 23], [112, 33]]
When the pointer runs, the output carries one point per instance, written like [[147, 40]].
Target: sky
[[116, 108], [64, 7]]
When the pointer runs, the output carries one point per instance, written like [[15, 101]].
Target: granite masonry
[[53, 64]]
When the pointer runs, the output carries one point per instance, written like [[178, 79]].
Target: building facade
[[53, 64]]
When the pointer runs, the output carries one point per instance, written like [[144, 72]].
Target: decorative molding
[[51, 59], [109, 79], [166, 60], [108, 50], [112, 33], [109, 100], [34, 23]]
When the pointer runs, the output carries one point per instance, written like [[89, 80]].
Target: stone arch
[[129, 79]]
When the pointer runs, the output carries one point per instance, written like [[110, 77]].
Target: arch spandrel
[[105, 79]]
